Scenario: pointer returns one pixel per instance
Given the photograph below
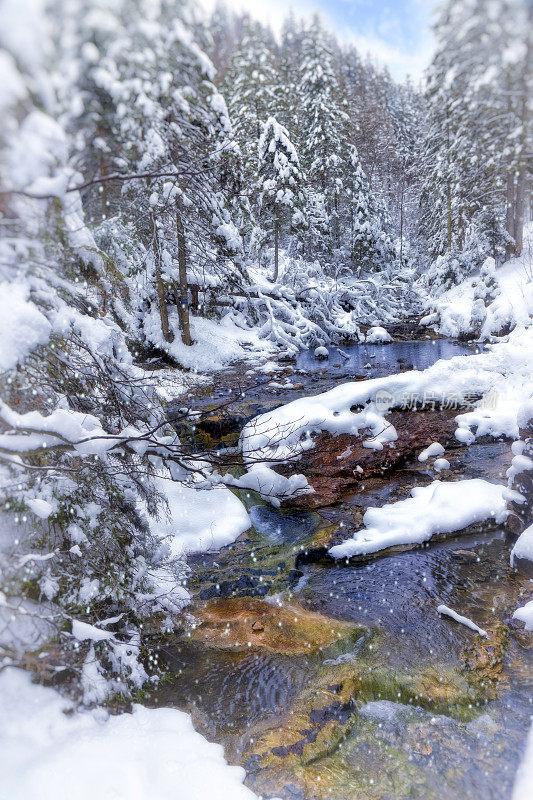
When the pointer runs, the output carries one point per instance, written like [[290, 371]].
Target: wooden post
[[160, 287], [183, 301], [195, 300]]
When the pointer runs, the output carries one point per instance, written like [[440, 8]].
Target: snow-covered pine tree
[[288, 97], [477, 126], [172, 129], [250, 87], [281, 198], [323, 129], [371, 247]]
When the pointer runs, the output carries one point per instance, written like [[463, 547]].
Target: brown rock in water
[[236, 623], [483, 658], [340, 463], [464, 555]]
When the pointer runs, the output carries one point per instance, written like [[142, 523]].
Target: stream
[[336, 680]]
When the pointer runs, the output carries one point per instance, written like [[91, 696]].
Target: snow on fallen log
[[431, 510], [449, 612]]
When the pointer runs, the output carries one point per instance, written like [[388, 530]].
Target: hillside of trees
[[161, 172]]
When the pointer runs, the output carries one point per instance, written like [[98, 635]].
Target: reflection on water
[[282, 526], [382, 744], [376, 360]]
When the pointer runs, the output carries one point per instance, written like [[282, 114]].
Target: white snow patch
[[449, 612], [151, 753], [434, 509], [22, 325], [377, 334], [82, 631], [523, 547]]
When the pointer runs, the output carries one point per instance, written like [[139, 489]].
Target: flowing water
[[376, 360], [409, 704]]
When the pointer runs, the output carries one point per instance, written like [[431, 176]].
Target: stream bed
[[336, 680]]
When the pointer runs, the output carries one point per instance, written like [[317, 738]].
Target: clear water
[[392, 750], [376, 360]]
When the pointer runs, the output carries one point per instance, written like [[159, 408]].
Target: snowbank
[[151, 753], [434, 509], [524, 776], [216, 342], [503, 375], [461, 310], [198, 520]]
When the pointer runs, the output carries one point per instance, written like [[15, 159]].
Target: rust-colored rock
[[236, 623], [337, 464]]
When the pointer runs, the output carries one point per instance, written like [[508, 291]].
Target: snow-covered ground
[[216, 343], [455, 312], [47, 754]]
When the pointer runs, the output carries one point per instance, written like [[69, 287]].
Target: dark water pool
[[377, 360]]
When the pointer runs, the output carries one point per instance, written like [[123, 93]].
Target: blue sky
[[395, 32]]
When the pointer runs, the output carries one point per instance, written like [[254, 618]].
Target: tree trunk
[[524, 119], [160, 287], [276, 250], [401, 224], [448, 196], [183, 301], [519, 211], [509, 216]]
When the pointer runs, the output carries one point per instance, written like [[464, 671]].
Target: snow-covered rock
[[198, 520], [434, 449], [523, 547], [525, 614], [321, 352], [377, 334], [271, 486], [434, 509]]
